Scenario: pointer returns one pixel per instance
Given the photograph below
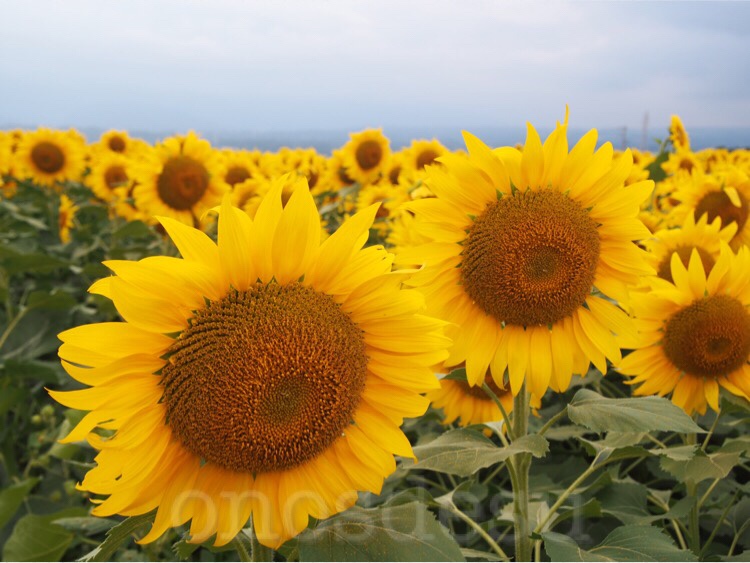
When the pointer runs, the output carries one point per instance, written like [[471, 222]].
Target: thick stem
[[521, 463], [694, 522], [258, 551]]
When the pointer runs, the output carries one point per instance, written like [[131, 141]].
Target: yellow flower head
[[694, 334], [265, 375], [524, 244], [179, 178], [724, 195], [66, 214], [110, 176], [47, 157], [678, 135], [693, 235], [365, 155], [470, 404]]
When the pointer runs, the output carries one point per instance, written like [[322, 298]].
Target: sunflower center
[[344, 177], [117, 144], [115, 177], [717, 204], [530, 258], [236, 175], [426, 157], [48, 157], [369, 154], [684, 252], [182, 182], [265, 379], [710, 337], [687, 164], [394, 174]]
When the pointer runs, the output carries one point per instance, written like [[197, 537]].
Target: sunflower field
[[523, 353]]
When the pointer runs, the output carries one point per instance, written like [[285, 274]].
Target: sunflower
[[724, 194], [109, 176], [678, 135], [365, 155], [694, 333], [419, 154], [267, 374], [237, 167], [179, 178], [525, 248], [118, 142], [469, 404], [693, 235], [66, 212], [47, 157]]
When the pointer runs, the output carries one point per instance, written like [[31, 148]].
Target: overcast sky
[[290, 64]]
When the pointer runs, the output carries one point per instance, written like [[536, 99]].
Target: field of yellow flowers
[[528, 353]]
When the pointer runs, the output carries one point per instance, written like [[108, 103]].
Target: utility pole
[[644, 133]]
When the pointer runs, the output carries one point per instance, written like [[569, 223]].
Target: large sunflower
[[47, 157], [179, 178], [525, 248], [267, 374], [694, 334]]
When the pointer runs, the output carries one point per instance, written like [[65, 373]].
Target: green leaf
[[12, 498], [640, 414], [117, 536], [702, 466], [408, 532], [34, 262], [625, 501], [86, 525], [627, 543], [55, 300], [33, 370], [37, 538], [462, 452]]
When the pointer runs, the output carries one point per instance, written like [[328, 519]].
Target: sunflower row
[[519, 267], [184, 176]]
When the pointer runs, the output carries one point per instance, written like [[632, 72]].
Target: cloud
[[229, 64]]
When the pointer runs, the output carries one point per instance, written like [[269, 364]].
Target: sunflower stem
[[552, 421], [481, 531], [694, 522], [711, 431], [257, 551], [239, 544], [520, 481], [506, 419]]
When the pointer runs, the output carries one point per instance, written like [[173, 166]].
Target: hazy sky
[[291, 64]]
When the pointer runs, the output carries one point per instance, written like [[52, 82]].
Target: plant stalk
[[521, 463]]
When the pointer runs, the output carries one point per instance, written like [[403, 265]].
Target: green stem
[[481, 531], [543, 430], [521, 465], [241, 548], [486, 388], [258, 551], [569, 491], [711, 431], [17, 319], [675, 524], [694, 522], [710, 539], [710, 489]]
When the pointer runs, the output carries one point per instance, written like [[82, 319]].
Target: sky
[[238, 65]]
